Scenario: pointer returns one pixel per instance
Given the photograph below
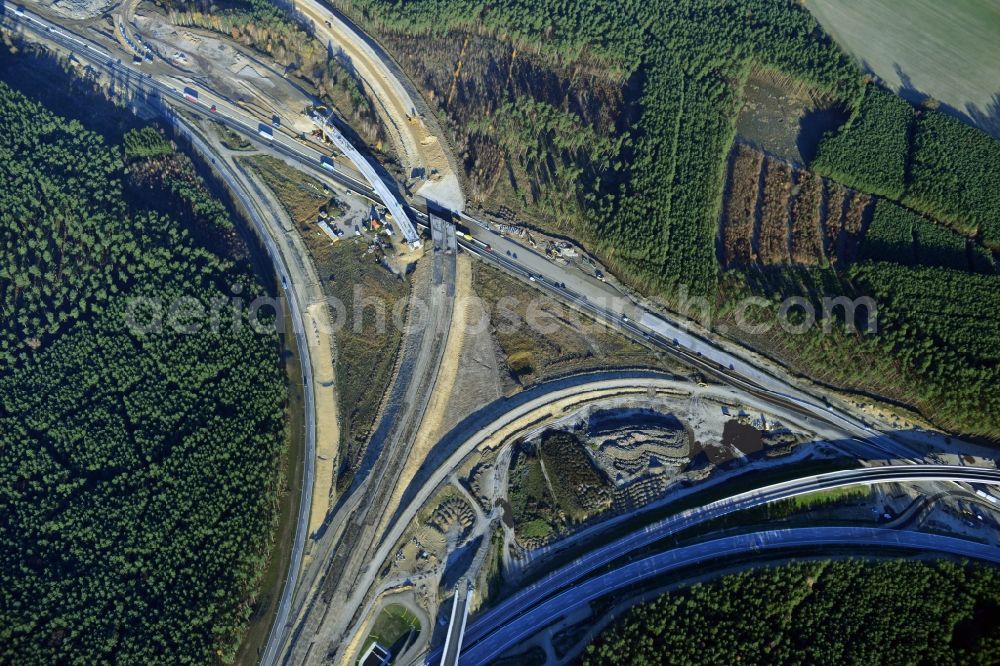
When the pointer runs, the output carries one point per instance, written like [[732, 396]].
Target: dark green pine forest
[[836, 613], [138, 470], [611, 122], [645, 193]]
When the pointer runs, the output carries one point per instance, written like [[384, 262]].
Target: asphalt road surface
[[605, 302], [572, 574], [585, 292], [489, 647], [297, 303]]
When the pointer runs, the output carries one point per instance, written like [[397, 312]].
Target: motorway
[[475, 432], [396, 207], [299, 305], [239, 121], [575, 572], [604, 302], [486, 648], [456, 625], [349, 566], [596, 298], [584, 292], [226, 113], [282, 258]]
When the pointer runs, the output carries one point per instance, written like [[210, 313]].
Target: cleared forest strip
[[855, 218], [741, 206], [774, 213], [806, 243], [833, 221]]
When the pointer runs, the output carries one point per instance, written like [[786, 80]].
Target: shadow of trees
[[987, 119]]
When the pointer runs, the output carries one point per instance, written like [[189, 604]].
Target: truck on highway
[[265, 131], [190, 94], [275, 121], [326, 163], [988, 497]]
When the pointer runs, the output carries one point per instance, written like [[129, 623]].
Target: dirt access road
[[316, 324], [421, 151]]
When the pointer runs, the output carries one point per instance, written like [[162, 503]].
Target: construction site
[[482, 403]]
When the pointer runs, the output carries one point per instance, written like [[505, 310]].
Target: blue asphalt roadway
[[502, 638], [572, 574]]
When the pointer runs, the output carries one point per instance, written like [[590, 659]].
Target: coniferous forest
[[839, 612], [611, 122], [648, 194], [138, 467]]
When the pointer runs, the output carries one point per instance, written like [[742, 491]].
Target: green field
[[946, 50], [393, 628]]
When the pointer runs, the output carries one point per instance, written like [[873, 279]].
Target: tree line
[[903, 236], [139, 471], [826, 612], [870, 152], [652, 205], [928, 160]]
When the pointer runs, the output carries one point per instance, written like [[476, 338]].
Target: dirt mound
[[81, 10]]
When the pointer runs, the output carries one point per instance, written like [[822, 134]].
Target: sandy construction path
[[434, 422], [420, 151], [327, 425], [321, 351]]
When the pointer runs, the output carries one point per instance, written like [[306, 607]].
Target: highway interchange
[[570, 577], [481, 649], [492, 631]]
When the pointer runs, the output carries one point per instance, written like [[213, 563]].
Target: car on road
[[212, 108]]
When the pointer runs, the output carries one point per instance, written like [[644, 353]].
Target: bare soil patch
[[784, 118], [539, 338]]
